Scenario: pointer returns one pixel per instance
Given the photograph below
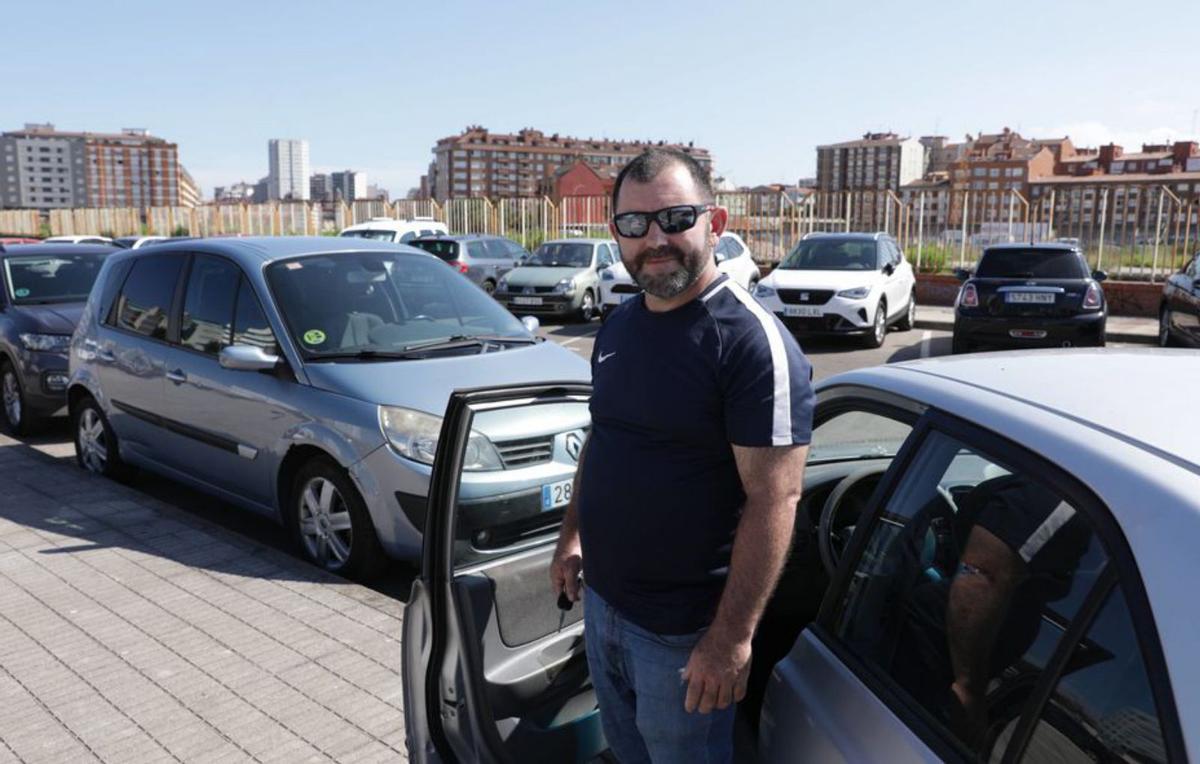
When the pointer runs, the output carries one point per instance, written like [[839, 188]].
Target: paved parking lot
[[147, 622]]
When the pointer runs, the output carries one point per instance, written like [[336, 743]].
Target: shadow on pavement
[[151, 514], [572, 330], [938, 346]]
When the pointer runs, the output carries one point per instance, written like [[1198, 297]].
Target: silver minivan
[[305, 379]]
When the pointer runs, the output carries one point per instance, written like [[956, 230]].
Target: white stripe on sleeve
[[1057, 519], [781, 417]]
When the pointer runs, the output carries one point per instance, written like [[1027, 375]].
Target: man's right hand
[[565, 570]]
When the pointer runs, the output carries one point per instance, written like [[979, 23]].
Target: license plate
[[527, 301], [1027, 334], [802, 311], [555, 495], [1038, 298]]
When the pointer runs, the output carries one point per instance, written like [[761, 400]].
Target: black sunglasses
[[677, 219]]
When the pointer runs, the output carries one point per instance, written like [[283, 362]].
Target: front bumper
[[44, 378], [838, 315], [546, 303], [496, 507], [1029, 331]]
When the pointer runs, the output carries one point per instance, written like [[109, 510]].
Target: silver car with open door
[[988, 566]]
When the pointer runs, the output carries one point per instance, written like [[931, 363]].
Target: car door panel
[[493, 668], [816, 709]]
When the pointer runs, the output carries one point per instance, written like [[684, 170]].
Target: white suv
[[843, 283], [733, 259]]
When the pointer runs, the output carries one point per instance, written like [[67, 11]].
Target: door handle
[[177, 376]]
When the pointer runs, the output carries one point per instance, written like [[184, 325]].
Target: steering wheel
[[832, 537]]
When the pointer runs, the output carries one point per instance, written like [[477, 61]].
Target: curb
[[1114, 336]]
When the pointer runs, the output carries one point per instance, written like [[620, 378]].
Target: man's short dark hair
[[649, 164]]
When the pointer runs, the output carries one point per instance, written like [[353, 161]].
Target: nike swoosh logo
[[605, 356]]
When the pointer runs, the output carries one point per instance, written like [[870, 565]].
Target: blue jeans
[[636, 676]]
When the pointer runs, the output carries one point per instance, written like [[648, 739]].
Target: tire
[[878, 333], [489, 286], [15, 415], [958, 345], [96, 448], [587, 307], [1165, 338], [909, 319], [329, 522]]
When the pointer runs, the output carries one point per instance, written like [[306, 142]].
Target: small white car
[[86, 239], [843, 283], [733, 258], [398, 231]]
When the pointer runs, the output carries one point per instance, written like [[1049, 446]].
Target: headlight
[[762, 290], [56, 343], [414, 434], [857, 293], [607, 275], [565, 286]]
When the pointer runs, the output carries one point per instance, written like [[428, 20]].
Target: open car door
[[493, 669]]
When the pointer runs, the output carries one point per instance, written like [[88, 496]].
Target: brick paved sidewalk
[[131, 631]]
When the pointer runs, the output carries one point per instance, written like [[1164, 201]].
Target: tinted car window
[[447, 250], [515, 250], [606, 257], [832, 255], [378, 234], [732, 247], [1102, 708], [476, 250], [497, 249], [145, 301], [46, 279], [250, 326], [1031, 263], [208, 304], [968, 581], [381, 301]]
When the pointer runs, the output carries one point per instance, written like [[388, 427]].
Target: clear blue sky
[[373, 85]]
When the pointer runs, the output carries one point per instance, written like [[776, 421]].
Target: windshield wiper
[[466, 340], [361, 355]]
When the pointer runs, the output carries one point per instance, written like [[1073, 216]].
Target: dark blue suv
[[43, 288]]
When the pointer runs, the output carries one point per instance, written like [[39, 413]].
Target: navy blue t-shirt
[[660, 495]]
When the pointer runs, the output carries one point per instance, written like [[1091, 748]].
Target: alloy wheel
[[93, 446], [588, 307], [326, 529], [12, 399], [880, 325]]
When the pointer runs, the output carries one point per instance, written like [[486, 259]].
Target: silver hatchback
[[305, 378]]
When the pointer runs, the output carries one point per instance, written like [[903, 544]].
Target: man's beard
[[666, 285]]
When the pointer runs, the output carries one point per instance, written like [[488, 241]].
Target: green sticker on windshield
[[22, 292], [314, 337]]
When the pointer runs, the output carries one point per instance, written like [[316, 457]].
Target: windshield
[[832, 255], [447, 250], [51, 278], [1030, 264], [381, 234], [382, 302], [562, 254], [857, 435]]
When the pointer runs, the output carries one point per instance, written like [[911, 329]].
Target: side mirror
[[531, 324], [247, 358], [1099, 275], [962, 274], [889, 269]]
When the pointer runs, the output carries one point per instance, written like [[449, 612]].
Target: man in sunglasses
[[687, 488]]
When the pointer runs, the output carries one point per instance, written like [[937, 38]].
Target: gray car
[[987, 565], [42, 291], [561, 278], [482, 259], [305, 379]]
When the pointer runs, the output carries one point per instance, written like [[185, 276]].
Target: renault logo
[[574, 446], [530, 290]]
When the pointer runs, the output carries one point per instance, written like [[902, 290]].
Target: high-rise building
[[876, 162], [479, 163], [349, 185], [287, 173], [320, 187], [44, 168]]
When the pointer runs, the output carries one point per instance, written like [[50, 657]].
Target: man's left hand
[[716, 673]]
